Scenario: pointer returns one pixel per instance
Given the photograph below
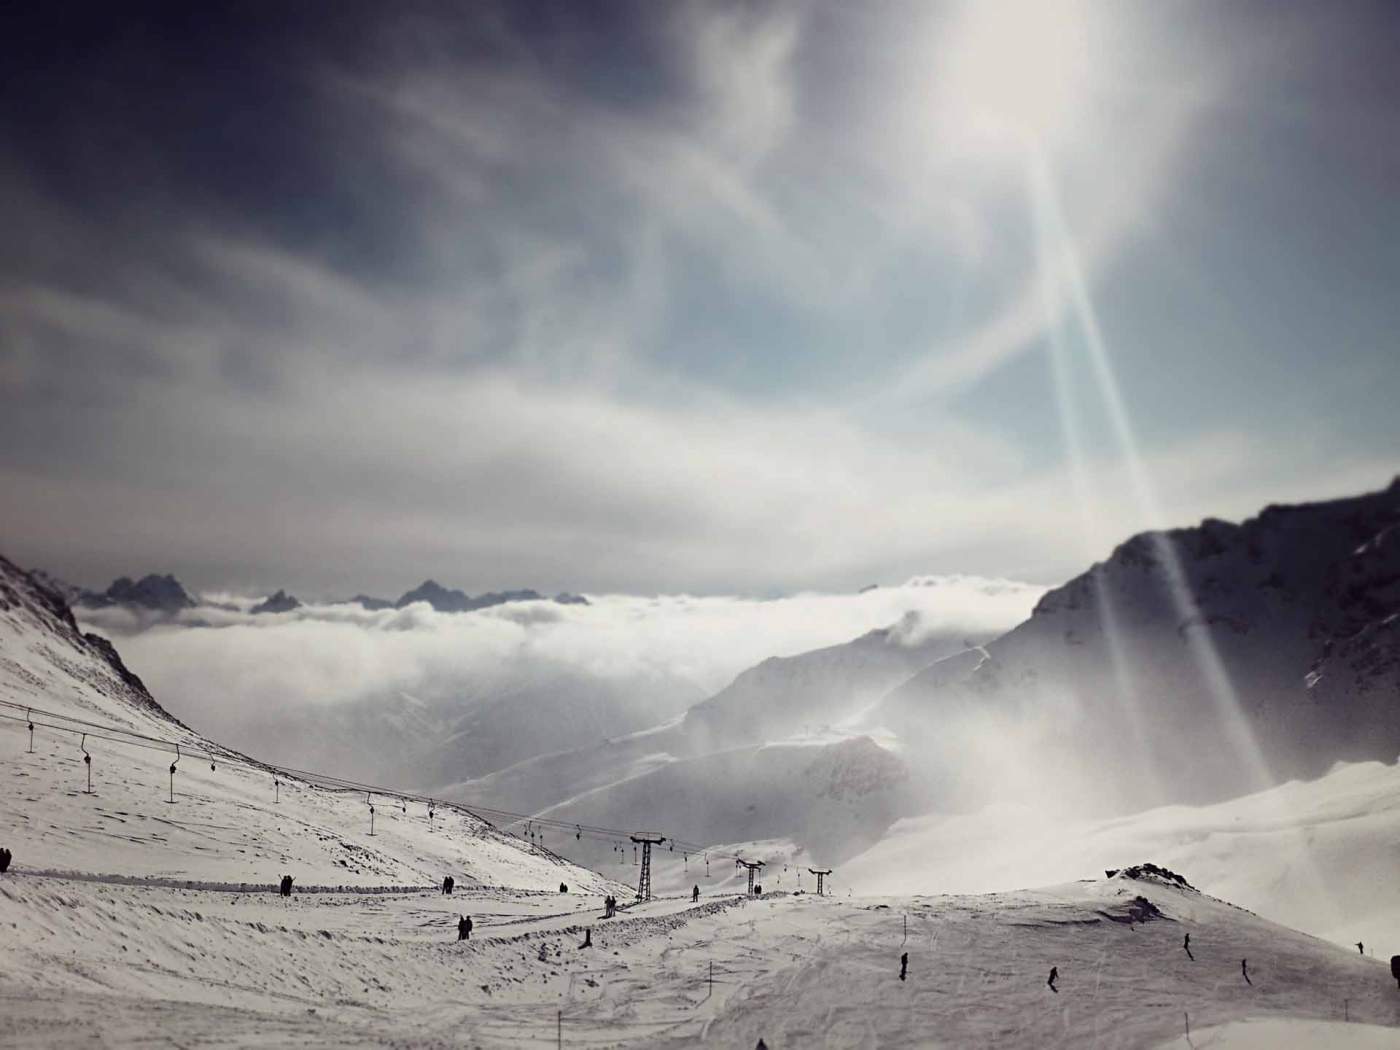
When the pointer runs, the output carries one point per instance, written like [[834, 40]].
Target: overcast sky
[[661, 296]]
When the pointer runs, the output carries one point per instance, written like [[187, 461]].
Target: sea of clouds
[[219, 657]]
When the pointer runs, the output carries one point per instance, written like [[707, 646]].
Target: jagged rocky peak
[[372, 604], [1149, 872], [157, 593], [35, 618], [435, 594], [69, 592], [444, 599], [281, 602]]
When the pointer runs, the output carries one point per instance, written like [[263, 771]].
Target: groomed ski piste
[[129, 919]]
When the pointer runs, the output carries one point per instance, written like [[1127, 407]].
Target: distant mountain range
[[165, 595]]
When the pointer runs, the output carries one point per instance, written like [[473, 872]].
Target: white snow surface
[[1320, 856], [225, 825], [130, 920], [159, 966]]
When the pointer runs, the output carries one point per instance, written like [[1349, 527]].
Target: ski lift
[[29, 717], [171, 799], [87, 761]]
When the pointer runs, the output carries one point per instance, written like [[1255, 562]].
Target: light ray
[[1087, 499], [1238, 734]]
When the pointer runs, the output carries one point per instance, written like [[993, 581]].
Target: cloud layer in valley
[[237, 675]]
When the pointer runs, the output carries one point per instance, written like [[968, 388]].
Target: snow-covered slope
[[1192, 666], [814, 691], [229, 822], [1320, 856], [116, 965], [771, 755]]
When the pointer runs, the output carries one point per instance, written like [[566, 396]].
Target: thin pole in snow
[[171, 799], [559, 1029], [87, 761], [29, 716], [1188, 1025]]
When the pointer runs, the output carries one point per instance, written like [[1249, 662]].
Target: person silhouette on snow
[[286, 887], [1244, 970], [1395, 969], [903, 965], [1360, 948], [1054, 976], [1186, 945], [695, 893], [447, 884], [464, 928], [5, 857]]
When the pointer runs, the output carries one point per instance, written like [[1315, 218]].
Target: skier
[[694, 894], [447, 883], [903, 965], [1054, 976], [1361, 948], [464, 928], [563, 888], [1244, 969], [1186, 944]]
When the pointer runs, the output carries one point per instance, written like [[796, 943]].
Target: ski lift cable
[[119, 735]]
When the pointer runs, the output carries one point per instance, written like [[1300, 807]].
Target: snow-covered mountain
[[816, 691], [233, 820], [770, 755], [1190, 666], [1318, 855]]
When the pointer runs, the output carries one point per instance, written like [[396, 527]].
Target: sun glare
[[1015, 70]]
